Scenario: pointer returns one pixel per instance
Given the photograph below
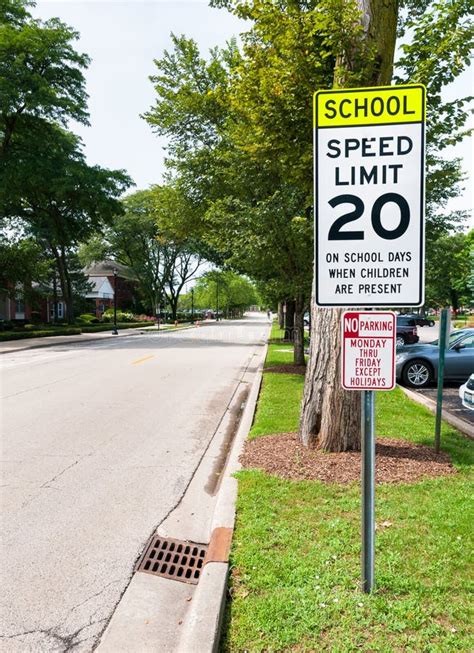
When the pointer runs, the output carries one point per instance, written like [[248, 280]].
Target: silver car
[[417, 365]]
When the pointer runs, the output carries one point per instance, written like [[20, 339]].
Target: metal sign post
[[369, 192], [368, 490], [368, 361], [443, 331]]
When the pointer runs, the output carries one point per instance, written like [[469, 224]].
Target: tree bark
[[298, 355], [64, 282], [281, 315], [69, 295], [330, 416], [289, 320]]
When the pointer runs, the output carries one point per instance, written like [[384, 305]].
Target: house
[[102, 293], [105, 283], [15, 306]]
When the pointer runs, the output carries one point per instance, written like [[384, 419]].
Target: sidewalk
[[12, 346]]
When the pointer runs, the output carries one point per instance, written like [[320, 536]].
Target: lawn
[[279, 404], [296, 549], [279, 351]]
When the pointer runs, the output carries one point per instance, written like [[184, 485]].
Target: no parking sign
[[368, 350]]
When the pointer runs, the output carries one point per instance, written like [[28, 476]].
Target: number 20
[[335, 232]]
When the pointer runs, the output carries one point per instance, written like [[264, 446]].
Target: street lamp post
[[114, 330], [217, 300], [192, 305]]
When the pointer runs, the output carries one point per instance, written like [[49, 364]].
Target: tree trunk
[[64, 282], [174, 307], [454, 299], [330, 416], [69, 296], [289, 319], [281, 315], [298, 356], [55, 298]]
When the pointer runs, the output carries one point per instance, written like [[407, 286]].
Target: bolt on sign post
[[369, 192]]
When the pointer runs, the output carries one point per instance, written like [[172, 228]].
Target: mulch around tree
[[288, 368], [397, 461]]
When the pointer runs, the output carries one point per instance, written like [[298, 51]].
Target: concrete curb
[[202, 626], [89, 338], [459, 424]]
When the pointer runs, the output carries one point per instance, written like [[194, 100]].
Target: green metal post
[[443, 327], [368, 490]]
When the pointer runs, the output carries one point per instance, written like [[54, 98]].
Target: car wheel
[[417, 373], [431, 323], [400, 341]]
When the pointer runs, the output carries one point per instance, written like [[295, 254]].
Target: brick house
[[14, 305]]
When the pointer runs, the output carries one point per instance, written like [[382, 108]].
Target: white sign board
[[369, 196], [368, 350]]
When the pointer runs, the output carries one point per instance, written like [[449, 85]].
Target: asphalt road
[[99, 443]]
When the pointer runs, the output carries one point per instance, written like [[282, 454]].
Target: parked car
[[417, 365], [419, 320], [407, 333], [466, 392]]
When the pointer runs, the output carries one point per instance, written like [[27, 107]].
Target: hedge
[[41, 333], [109, 326]]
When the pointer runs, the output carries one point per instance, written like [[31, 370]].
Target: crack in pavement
[[67, 642]]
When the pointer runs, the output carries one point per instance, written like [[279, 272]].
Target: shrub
[[96, 328], [145, 318], [39, 333], [5, 325], [122, 316], [88, 318]]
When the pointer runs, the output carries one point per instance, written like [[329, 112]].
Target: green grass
[[279, 404], [296, 549], [280, 352], [296, 568], [279, 355], [276, 332]]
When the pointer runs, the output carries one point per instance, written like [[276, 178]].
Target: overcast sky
[[123, 38]]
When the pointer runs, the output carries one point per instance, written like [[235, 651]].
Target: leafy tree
[[258, 227], [23, 261], [60, 200], [41, 78], [241, 146], [144, 238], [450, 270], [44, 179], [234, 292]]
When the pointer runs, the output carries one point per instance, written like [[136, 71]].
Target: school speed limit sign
[[369, 196]]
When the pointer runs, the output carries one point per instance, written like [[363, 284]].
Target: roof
[[101, 288], [106, 269]]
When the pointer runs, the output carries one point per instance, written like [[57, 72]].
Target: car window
[[467, 342], [406, 321]]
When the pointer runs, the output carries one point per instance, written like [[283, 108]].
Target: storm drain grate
[[175, 559]]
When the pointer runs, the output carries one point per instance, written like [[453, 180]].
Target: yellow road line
[[142, 360]]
